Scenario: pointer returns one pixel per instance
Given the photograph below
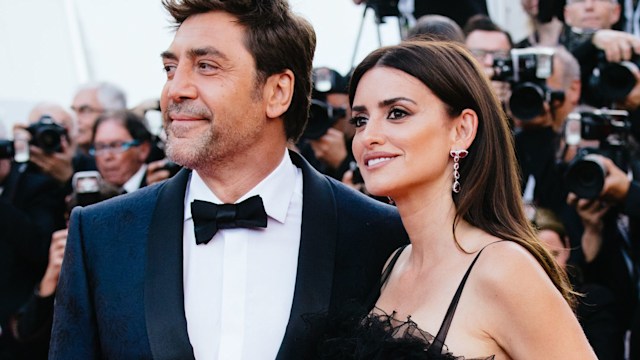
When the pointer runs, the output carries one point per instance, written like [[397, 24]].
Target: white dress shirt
[[238, 288], [133, 183]]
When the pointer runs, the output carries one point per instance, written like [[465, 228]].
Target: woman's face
[[403, 134]]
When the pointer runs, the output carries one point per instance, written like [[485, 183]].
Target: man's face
[[591, 14], [488, 45], [87, 109], [485, 47], [212, 103], [117, 161]]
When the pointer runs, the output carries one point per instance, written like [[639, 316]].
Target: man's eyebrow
[[206, 51], [168, 55], [194, 53]]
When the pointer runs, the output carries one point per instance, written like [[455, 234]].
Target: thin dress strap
[[387, 271], [438, 343], [375, 293]]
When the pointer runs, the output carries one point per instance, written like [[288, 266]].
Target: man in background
[[89, 102]]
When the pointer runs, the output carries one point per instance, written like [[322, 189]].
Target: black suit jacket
[[120, 294]]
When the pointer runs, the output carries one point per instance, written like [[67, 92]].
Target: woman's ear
[[278, 92], [465, 127]]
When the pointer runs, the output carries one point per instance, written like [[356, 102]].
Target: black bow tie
[[209, 217]]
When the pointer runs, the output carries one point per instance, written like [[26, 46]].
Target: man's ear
[[278, 92], [465, 127]]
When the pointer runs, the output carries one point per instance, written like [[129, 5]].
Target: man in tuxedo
[[223, 261]]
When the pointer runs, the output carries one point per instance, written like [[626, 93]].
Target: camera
[[47, 135], [322, 116], [86, 185], [613, 81], [384, 8], [585, 175], [527, 70], [17, 150], [7, 150]]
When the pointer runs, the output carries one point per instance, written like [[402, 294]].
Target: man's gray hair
[[570, 65], [110, 96]]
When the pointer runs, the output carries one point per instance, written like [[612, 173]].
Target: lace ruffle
[[377, 336]]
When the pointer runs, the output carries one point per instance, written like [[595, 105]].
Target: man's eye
[[169, 69], [206, 66]]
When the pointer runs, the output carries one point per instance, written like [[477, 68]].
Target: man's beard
[[198, 150], [191, 155]]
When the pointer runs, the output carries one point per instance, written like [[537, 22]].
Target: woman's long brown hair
[[490, 198]]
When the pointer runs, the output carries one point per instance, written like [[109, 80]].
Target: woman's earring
[[457, 155]]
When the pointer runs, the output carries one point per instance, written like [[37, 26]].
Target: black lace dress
[[380, 335]]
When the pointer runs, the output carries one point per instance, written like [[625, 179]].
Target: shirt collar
[[276, 190], [133, 183]]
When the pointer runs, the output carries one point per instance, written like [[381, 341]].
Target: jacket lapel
[[163, 287], [316, 258]]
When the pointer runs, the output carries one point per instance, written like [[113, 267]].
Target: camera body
[[86, 185], [7, 150], [384, 8], [613, 81], [47, 134], [527, 71], [585, 174], [322, 116]]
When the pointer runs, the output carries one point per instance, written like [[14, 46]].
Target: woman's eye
[[395, 114], [358, 121]]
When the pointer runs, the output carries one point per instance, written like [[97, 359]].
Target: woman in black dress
[[431, 135]]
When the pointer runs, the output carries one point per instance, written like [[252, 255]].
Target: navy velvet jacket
[[120, 294]]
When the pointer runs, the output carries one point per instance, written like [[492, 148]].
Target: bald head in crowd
[[57, 113]]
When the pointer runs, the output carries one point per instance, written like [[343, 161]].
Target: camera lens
[[7, 150], [527, 101], [585, 177], [49, 140], [615, 80], [319, 120]]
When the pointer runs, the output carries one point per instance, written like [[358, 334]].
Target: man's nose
[[180, 86]]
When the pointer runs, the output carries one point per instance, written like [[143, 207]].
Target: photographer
[[29, 328], [540, 117], [121, 144], [488, 42], [589, 37], [53, 148], [596, 309], [607, 201], [31, 209], [90, 101], [326, 141]]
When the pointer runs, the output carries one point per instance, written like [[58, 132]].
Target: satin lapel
[[163, 287], [316, 258]]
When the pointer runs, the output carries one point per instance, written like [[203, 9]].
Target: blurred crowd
[[570, 90]]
